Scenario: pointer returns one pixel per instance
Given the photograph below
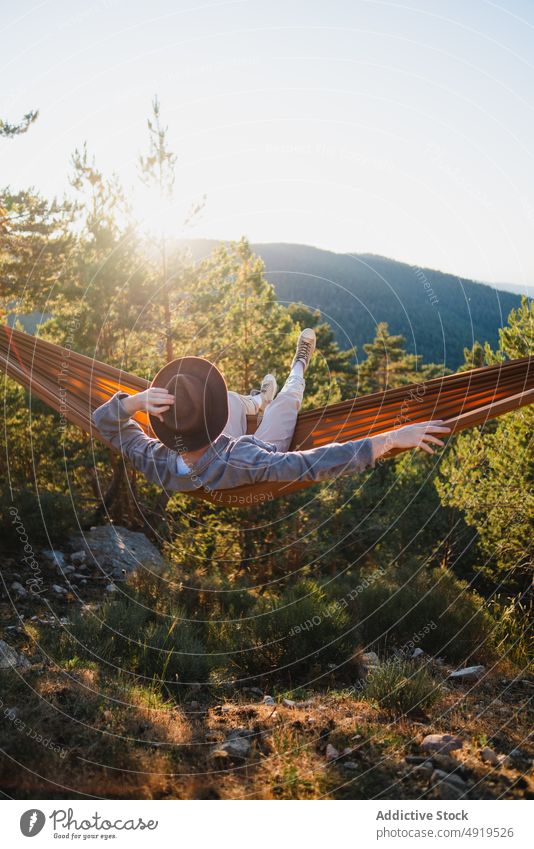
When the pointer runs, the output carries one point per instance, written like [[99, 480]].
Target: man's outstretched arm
[[250, 464]]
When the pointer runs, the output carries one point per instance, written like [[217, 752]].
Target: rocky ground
[[83, 731]]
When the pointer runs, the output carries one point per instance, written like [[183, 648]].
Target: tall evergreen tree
[[157, 170], [388, 364], [489, 475]]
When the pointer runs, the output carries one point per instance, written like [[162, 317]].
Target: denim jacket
[[227, 462]]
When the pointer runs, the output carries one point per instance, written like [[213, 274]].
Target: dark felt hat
[[200, 409]]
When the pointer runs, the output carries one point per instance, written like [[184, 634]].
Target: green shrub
[[400, 686], [300, 630], [429, 608], [43, 518], [127, 634], [514, 634]]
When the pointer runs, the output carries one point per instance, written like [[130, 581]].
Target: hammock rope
[[74, 385]]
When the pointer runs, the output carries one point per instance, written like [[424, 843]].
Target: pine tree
[[489, 476], [157, 169], [239, 323], [388, 365]]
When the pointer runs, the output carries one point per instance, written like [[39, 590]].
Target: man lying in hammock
[[200, 430]]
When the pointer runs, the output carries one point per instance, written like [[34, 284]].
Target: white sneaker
[[305, 348], [268, 390]]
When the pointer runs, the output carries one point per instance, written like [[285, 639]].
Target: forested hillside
[[438, 314]]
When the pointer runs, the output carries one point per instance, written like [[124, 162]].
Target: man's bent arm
[[147, 455]]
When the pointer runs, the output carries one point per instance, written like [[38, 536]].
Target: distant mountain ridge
[[439, 314]]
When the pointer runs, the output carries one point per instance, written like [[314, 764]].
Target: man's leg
[[278, 423], [279, 419], [239, 407]]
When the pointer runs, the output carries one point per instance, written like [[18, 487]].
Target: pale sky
[[404, 129]]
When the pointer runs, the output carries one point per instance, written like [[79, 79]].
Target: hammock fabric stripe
[[74, 385]]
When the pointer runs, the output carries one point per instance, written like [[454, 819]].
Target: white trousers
[[279, 419]]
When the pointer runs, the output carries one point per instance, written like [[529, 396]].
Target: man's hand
[[421, 435], [154, 400]]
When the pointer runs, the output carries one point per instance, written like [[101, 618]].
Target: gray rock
[[236, 747], [424, 770], [449, 786], [10, 658], [517, 757], [117, 550], [59, 590], [289, 703], [443, 743], [489, 756], [65, 570], [370, 658], [469, 673], [332, 753], [268, 700], [12, 713], [78, 557], [57, 558], [111, 588], [19, 589], [350, 766], [417, 653]]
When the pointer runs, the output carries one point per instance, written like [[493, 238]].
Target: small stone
[[12, 713], [237, 747], [444, 743], [331, 753], [289, 703], [55, 557], [370, 658], [59, 590], [424, 770], [65, 570], [78, 557], [417, 653], [111, 588], [268, 700], [19, 589], [351, 766], [469, 673], [449, 786], [517, 758], [489, 756]]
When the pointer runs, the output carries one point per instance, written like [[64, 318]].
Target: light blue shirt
[[181, 466]]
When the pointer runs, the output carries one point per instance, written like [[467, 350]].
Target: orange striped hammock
[[74, 385]]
